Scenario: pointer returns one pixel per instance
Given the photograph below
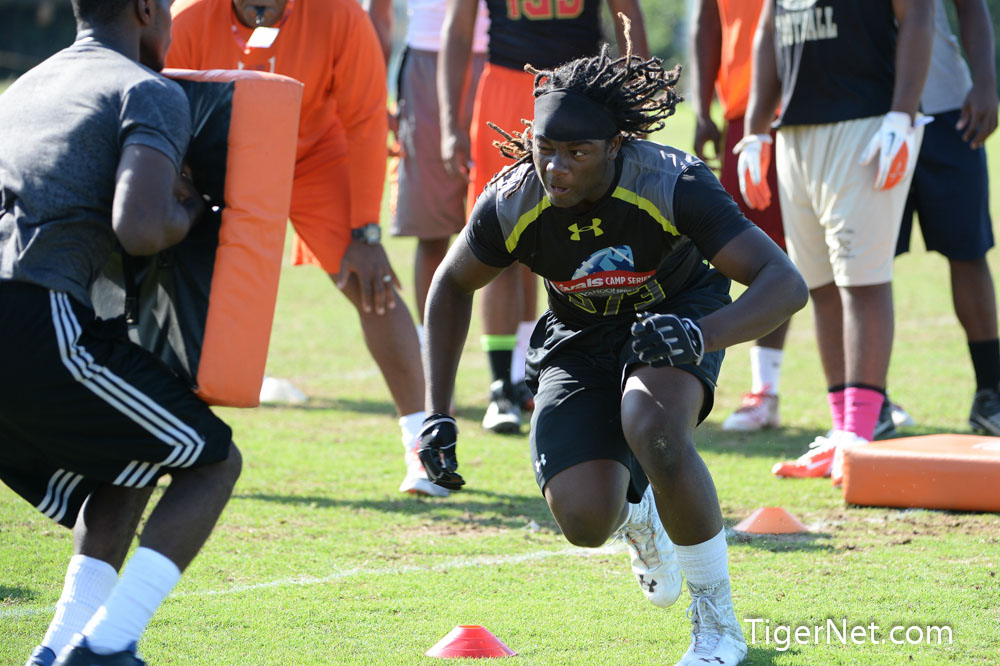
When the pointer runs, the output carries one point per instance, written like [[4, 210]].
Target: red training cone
[[469, 641], [770, 520]]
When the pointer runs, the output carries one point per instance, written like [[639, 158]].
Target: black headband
[[567, 115]]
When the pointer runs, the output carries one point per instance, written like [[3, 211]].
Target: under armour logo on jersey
[[595, 226], [540, 463]]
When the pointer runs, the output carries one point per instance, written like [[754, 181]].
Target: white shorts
[[838, 228]]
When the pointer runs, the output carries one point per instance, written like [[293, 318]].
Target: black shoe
[[42, 656], [78, 653], [985, 414], [885, 426], [523, 396], [502, 416]]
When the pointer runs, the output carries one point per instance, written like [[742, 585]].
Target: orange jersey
[[739, 21], [328, 45]]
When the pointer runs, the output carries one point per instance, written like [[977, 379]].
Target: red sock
[[861, 409], [836, 400]]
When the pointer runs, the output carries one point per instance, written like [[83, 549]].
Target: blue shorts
[[950, 194]]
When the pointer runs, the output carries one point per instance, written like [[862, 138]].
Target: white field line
[[445, 565]]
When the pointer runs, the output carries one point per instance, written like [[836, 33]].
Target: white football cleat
[[654, 560], [503, 416], [900, 417], [416, 482], [716, 636], [281, 391], [758, 411]]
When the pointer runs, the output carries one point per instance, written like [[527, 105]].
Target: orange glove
[[754, 152]]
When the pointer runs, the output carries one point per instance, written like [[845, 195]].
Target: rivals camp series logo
[[607, 271], [802, 21]]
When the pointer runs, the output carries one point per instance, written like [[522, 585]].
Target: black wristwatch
[[369, 234]]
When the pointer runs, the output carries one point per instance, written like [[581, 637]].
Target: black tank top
[[543, 33], [835, 59]]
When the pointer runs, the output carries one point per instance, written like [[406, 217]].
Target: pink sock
[[836, 400], [861, 408]]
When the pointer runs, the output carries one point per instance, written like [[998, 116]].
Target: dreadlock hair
[[98, 12], [639, 94]]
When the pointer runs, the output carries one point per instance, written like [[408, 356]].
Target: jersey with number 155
[[543, 33]]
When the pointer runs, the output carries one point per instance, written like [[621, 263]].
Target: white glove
[[754, 152], [895, 146]]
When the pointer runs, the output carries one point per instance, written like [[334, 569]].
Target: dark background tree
[[31, 30]]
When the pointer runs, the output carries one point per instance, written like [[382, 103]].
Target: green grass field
[[318, 560]]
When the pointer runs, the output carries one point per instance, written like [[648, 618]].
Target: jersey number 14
[[537, 10]]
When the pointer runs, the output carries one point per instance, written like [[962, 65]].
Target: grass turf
[[318, 560]]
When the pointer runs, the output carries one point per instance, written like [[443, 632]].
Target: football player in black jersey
[[636, 242], [545, 33]]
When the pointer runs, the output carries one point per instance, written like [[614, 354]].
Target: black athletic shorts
[[577, 376], [81, 405], [950, 194]]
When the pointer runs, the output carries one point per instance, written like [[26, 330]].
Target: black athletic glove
[[438, 440], [665, 339]]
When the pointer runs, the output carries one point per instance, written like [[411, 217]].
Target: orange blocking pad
[[956, 472], [259, 166]]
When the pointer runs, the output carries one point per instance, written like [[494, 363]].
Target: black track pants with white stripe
[[81, 405]]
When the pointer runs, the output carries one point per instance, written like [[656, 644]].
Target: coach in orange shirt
[[331, 47]]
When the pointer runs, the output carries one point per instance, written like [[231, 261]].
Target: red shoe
[[814, 463]]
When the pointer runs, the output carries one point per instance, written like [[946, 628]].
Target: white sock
[[411, 425], [524, 330], [765, 369], [705, 564], [145, 582], [89, 582]]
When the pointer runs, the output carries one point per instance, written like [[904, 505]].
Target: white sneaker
[[280, 391], [900, 417], [716, 636], [654, 560], [758, 411], [844, 440], [416, 482], [502, 416]]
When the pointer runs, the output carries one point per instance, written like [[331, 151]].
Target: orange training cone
[[469, 641], [771, 520]]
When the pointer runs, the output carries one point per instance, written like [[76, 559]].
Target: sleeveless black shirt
[[836, 59]]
